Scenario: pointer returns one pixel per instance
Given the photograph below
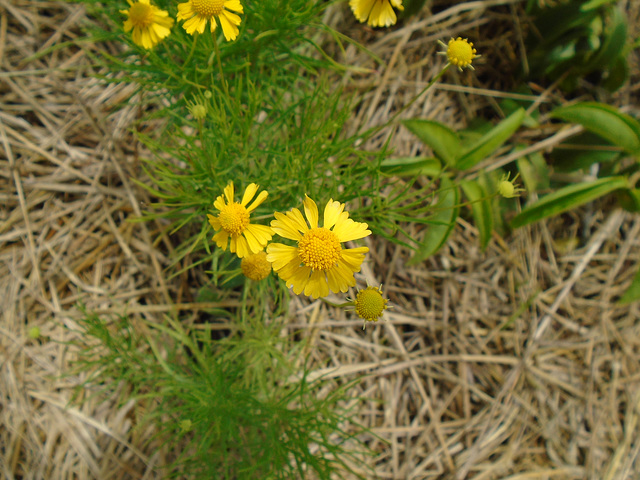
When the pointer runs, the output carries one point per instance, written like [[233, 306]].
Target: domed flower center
[[234, 218], [506, 189], [319, 249], [460, 52], [370, 304], [141, 15], [256, 266], [208, 8]]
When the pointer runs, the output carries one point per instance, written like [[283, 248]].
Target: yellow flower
[[507, 188], [379, 13], [255, 266], [149, 23], [459, 52], [233, 222], [370, 304], [319, 263], [198, 12]]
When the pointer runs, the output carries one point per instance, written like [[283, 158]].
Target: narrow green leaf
[[606, 121], [633, 292], [480, 209], [441, 139], [411, 166], [491, 141], [567, 198], [443, 221], [593, 4]]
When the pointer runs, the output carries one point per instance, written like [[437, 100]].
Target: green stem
[[217, 51], [193, 48]]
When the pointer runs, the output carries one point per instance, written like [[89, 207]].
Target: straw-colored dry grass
[[514, 363]]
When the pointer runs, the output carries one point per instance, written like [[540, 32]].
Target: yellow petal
[[214, 222], [332, 212], [234, 5], [347, 230], [185, 11], [252, 242], [290, 269], [242, 247], [299, 280], [219, 203], [221, 238], [229, 192], [229, 21], [262, 233], [249, 193], [285, 227], [317, 286], [339, 278], [353, 257], [262, 196], [311, 211], [280, 255], [296, 217]]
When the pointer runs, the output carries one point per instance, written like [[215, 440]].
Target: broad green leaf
[[633, 292], [480, 209], [630, 199], [606, 121], [581, 151], [441, 139], [593, 4], [613, 40], [443, 221], [534, 172], [489, 142], [411, 166], [567, 198]]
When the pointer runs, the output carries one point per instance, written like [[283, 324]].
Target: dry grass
[[514, 363]]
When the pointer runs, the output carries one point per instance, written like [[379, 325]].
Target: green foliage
[[578, 39], [200, 394]]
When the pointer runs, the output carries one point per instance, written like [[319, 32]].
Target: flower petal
[[262, 233], [221, 238], [219, 203], [339, 278], [280, 255], [229, 192], [285, 227], [353, 257], [242, 247], [311, 211], [229, 21], [332, 212], [347, 229], [295, 216], [262, 196], [249, 193], [317, 285], [299, 279], [254, 244], [234, 5], [214, 222], [185, 11]]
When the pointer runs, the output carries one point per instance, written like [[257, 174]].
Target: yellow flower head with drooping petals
[[319, 263], [459, 52], [256, 266], [233, 225], [370, 304], [508, 188], [197, 13], [377, 13], [149, 23]]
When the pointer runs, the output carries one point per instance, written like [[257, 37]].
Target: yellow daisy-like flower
[[256, 266], [233, 226], [370, 304], [197, 13], [149, 23], [377, 13], [459, 52], [508, 188], [319, 263]]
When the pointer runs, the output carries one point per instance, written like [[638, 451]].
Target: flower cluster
[[150, 24], [316, 264]]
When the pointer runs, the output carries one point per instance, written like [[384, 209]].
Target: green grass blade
[[633, 292], [568, 198]]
